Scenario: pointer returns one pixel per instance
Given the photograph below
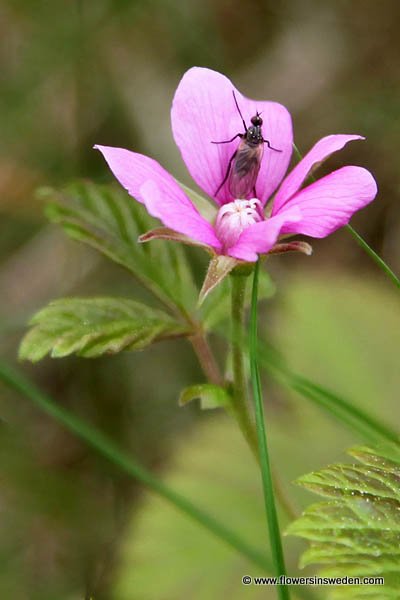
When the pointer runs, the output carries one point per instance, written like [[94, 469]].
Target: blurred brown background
[[75, 73]]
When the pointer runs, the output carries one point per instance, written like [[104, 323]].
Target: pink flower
[[204, 111]]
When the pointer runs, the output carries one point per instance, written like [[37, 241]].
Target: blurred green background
[[75, 73]]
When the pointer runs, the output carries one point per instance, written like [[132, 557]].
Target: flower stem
[[206, 358], [240, 405], [109, 450], [239, 409], [269, 496]]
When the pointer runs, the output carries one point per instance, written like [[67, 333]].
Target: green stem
[[269, 496], [360, 240], [206, 358], [106, 447], [240, 404]]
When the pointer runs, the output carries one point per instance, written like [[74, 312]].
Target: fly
[[244, 164]]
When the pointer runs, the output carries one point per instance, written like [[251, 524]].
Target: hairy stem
[[206, 358], [240, 409], [240, 404]]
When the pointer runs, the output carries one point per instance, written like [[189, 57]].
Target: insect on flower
[[240, 228], [245, 162]]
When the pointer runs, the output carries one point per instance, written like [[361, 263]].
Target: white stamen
[[236, 216]]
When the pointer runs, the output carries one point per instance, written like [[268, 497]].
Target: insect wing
[[245, 168]]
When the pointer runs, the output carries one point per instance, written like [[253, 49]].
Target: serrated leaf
[[108, 219], [90, 327], [210, 396], [357, 532]]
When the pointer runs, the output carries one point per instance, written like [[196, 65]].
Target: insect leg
[[227, 172], [270, 147], [237, 106], [229, 141]]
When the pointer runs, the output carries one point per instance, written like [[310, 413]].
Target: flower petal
[[149, 183], [178, 215], [318, 153], [204, 111], [260, 237], [330, 202]]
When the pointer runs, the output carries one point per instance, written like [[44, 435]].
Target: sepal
[[302, 247], [218, 269], [165, 233]]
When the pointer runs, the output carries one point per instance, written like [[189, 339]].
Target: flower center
[[234, 217]]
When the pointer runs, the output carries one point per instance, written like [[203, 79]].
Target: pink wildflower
[[203, 111]]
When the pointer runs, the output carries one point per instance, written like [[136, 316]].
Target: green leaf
[[210, 396], [357, 532], [108, 219], [90, 327]]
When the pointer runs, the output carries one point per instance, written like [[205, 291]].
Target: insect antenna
[[237, 106]]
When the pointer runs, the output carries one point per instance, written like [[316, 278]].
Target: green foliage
[[91, 327], [109, 220], [210, 396], [356, 532]]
